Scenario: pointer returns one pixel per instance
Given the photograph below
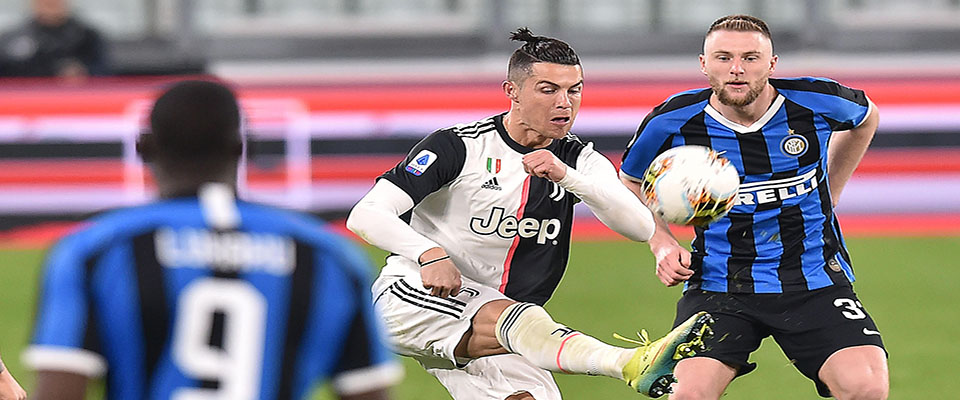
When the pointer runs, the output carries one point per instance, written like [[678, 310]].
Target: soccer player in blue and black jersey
[[776, 264], [199, 295]]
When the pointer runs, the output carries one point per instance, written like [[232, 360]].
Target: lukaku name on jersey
[[225, 251]]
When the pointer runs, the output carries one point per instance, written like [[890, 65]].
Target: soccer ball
[[690, 185]]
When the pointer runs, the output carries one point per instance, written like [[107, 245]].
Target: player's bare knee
[[866, 388], [481, 339], [490, 312], [484, 322]]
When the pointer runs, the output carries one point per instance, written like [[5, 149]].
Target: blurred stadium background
[[336, 91]]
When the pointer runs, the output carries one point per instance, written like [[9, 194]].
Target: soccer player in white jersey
[[477, 219]]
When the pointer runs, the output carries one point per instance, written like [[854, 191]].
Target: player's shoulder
[[456, 136], [802, 88], [679, 101], [301, 226], [676, 110], [108, 227], [806, 84], [307, 230], [473, 129], [571, 143]]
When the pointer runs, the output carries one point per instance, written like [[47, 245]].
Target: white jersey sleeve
[[376, 219], [595, 181], [381, 217]]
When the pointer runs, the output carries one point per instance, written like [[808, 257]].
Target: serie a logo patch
[[421, 162]]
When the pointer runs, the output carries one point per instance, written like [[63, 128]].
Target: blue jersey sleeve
[[347, 337], [842, 107], [65, 335], [660, 129]]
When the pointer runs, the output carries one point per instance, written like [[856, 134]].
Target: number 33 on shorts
[[852, 309]]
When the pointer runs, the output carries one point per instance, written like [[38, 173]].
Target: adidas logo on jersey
[[491, 184]]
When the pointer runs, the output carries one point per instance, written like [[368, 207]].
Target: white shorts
[[494, 377], [428, 329]]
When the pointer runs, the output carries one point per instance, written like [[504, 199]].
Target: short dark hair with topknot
[[537, 49]]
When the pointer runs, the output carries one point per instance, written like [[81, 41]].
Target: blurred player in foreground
[[776, 264], [199, 295], [478, 220], [9, 387]]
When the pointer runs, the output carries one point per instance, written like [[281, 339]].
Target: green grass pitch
[[909, 286]]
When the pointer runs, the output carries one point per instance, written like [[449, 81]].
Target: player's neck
[[750, 113], [188, 189], [523, 134]]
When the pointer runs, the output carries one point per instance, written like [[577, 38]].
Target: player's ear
[[703, 64], [511, 90], [147, 146]]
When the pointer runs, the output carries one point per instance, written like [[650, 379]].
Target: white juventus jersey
[[502, 227]]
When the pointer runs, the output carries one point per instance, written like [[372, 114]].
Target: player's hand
[[438, 273], [543, 164], [9, 388], [673, 262], [441, 278]]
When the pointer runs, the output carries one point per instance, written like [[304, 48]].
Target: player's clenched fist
[[442, 278], [542, 163], [439, 274], [673, 262]]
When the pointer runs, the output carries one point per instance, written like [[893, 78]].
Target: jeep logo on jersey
[[508, 226], [421, 162], [776, 190]]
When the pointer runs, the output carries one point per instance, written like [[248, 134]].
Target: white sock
[[527, 329]]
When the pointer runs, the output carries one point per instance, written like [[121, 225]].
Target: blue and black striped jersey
[[196, 297], [782, 234]]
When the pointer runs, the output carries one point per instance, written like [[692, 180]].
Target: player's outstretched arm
[[10, 389], [847, 149], [595, 182], [376, 219], [673, 260]]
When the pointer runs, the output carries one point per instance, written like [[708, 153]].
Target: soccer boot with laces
[[650, 370]]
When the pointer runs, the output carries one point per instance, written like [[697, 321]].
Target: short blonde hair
[[740, 23]]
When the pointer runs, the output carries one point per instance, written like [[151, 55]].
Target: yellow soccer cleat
[[650, 370]]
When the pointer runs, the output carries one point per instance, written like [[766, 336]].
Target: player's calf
[[528, 330]]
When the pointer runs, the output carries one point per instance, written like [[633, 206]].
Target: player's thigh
[[701, 378], [422, 325], [496, 377], [821, 323], [736, 330], [857, 372]]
